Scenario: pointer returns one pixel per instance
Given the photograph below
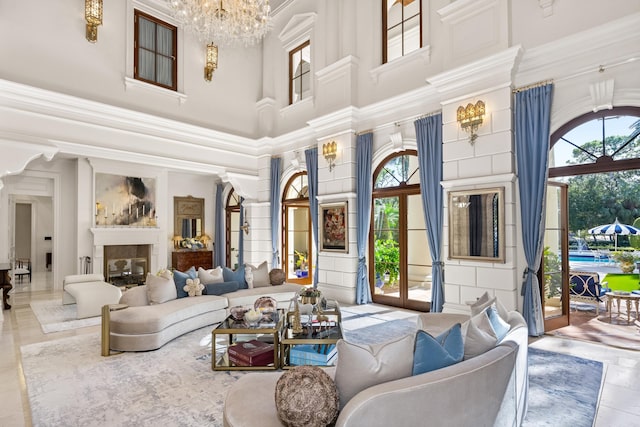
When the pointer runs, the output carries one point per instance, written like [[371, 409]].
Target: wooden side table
[[106, 326]]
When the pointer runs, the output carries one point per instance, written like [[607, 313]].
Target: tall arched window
[[400, 270], [296, 231], [232, 212]]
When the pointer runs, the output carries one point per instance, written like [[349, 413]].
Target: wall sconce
[[93, 16], [470, 117], [329, 151], [245, 227], [212, 61]]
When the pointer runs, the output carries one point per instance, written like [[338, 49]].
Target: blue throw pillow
[[220, 288], [180, 279], [500, 327], [235, 276], [432, 353]]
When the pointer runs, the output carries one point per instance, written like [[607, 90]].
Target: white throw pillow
[[135, 296], [160, 288], [248, 275], [485, 301], [479, 336], [361, 366], [260, 275], [210, 276]]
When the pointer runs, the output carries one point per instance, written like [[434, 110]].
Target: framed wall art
[[334, 227], [125, 200]]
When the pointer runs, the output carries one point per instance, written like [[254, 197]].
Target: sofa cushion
[[361, 366], [220, 288], [431, 353], [180, 279], [235, 276], [485, 301], [306, 396], [160, 288], [210, 276], [479, 335], [260, 275], [135, 296]]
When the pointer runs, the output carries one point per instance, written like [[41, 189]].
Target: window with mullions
[[401, 28], [155, 51], [300, 73]]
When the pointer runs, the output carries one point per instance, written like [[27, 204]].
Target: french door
[[554, 270]]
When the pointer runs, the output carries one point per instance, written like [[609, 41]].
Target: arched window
[[232, 212], [296, 230], [400, 270]]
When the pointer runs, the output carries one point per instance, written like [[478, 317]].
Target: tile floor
[[619, 403]]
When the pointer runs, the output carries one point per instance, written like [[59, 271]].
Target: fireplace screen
[[126, 265]]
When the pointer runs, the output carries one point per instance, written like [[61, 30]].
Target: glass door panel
[[555, 283], [386, 263], [298, 244], [418, 256]]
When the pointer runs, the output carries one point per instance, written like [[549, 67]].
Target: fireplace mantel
[[104, 236]]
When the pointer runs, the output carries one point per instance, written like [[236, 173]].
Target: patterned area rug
[[563, 390], [175, 386], [54, 316]]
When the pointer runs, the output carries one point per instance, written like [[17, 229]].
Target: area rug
[[617, 332], [563, 390], [69, 383], [622, 282], [55, 317]]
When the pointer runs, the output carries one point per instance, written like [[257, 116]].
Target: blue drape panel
[[275, 210], [311, 157], [532, 124], [241, 235], [429, 140], [219, 257], [364, 182]]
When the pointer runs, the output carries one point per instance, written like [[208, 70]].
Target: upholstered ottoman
[[91, 296]]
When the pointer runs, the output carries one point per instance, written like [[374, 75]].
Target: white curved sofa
[[148, 327], [89, 292], [486, 390]]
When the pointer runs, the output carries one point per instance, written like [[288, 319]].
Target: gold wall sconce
[[470, 118], [245, 227], [329, 151], [93, 16], [211, 62]]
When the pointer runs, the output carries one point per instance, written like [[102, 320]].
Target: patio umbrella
[[615, 229]]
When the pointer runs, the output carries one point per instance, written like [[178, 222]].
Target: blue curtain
[[311, 157], [429, 140], [364, 148], [241, 235], [275, 210], [532, 125], [219, 256]]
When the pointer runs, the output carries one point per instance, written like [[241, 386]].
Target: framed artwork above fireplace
[[125, 201]]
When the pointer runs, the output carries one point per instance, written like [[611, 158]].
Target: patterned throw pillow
[[306, 396], [433, 353]]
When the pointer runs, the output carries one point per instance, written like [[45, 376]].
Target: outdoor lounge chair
[[586, 287]]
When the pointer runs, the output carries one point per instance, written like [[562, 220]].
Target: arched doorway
[[296, 231], [594, 178]]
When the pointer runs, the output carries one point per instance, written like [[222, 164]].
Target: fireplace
[[126, 265]]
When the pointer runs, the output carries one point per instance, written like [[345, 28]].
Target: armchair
[[586, 287]]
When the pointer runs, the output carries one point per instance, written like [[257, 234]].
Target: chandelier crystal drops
[[224, 22]]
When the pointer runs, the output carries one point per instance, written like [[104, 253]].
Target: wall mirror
[[476, 224], [188, 216]]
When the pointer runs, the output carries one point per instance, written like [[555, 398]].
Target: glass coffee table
[[315, 344], [236, 345]]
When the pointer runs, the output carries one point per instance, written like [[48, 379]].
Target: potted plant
[[626, 260]]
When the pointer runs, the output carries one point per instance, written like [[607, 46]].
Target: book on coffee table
[[313, 354], [251, 353]]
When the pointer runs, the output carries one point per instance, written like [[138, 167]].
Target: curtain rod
[[532, 85], [399, 122]]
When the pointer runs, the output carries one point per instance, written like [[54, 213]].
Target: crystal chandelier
[[225, 23]]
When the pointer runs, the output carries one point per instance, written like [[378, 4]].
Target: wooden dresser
[[183, 260]]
